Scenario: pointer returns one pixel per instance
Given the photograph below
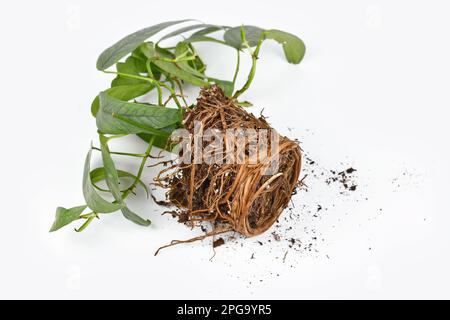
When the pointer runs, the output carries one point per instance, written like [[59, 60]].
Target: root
[[238, 195], [199, 238]]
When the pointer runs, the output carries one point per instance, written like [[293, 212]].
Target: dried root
[[233, 196]]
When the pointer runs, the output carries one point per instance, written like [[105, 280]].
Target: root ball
[[234, 195]]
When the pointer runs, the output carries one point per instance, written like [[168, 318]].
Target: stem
[[158, 87], [85, 224], [173, 95], [236, 72], [138, 155], [194, 65], [180, 86], [149, 69], [151, 76], [181, 58], [131, 76], [141, 169], [252, 70], [88, 215], [152, 81]]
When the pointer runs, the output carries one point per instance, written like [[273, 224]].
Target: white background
[[372, 92]]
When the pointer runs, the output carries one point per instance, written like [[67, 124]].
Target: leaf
[[180, 49], [111, 175], [176, 71], [98, 174], [124, 93], [126, 45], [159, 141], [208, 30], [119, 117], [112, 180], [294, 48], [185, 29], [206, 39], [131, 66], [93, 199], [252, 34], [226, 86], [130, 215], [65, 216], [164, 52], [148, 50]]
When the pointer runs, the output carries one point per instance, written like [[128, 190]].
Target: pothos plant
[[142, 66]]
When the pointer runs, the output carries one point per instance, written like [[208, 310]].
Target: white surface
[[372, 92]]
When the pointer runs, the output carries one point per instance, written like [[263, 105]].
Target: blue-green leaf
[[194, 39], [208, 30], [252, 34], [185, 29], [119, 117], [93, 199], [65, 216], [126, 45], [124, 93], [294, 48]]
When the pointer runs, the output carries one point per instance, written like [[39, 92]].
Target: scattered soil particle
[[345, 178], [284, 257], [276, 236], [218, 242]]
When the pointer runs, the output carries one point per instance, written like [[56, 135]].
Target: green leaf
[[148, 50], [179, 73], [294, 48], [93, 199], [180, 49], [111, 175], [185, 29], [126, 45], [65, 216], [158, 141], [130, 215], [119, 117], [124, 93], [98, 174], [112, 180], [133, 66], [226, 86], [163, 52], [252, 34]]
